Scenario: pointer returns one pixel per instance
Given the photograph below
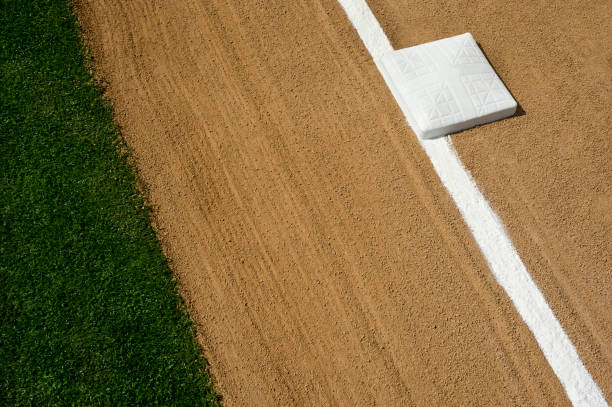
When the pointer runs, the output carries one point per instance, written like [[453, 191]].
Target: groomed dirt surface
[[547, 172], [320, 257]]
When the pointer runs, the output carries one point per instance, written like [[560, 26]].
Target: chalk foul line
[[490, 235]]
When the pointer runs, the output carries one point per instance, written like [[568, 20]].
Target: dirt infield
[[548, 171], [320, 257]]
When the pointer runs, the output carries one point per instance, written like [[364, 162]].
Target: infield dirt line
[[321, 258], [487, 229], [547, 171]]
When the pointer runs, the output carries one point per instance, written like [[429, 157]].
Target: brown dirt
[[321, 259], [546, 172]]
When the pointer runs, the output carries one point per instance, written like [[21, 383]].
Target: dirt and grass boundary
[[89, 313]]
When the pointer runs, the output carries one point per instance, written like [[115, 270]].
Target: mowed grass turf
[[89, 312]]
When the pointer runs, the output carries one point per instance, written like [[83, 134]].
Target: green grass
[[89, 313]]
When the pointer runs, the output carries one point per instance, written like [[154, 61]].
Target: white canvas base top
[[446, 86]]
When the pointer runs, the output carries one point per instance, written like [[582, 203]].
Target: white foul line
[[489, 233]]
